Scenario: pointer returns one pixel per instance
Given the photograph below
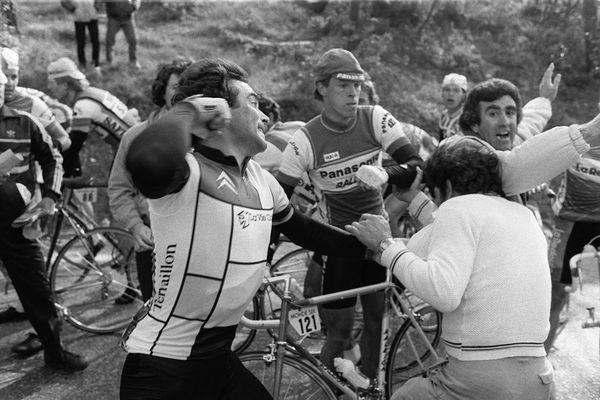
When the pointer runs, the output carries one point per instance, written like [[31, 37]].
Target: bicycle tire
[[86, 280], [244, 335], [401, 364], [299, 380]]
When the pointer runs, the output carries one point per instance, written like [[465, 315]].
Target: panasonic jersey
[[579, 194], [209, 258], [331, 157]]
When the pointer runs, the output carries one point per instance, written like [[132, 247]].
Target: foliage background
[[406, 46]]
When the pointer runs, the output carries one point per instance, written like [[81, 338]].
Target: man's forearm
[[317, 236]]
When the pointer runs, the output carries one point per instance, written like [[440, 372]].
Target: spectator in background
[[120, 15], [85, 16], [454, 92], [129, 208], [22, 257], [20, 99]]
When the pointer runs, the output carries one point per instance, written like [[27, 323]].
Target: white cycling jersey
[[209, 259]]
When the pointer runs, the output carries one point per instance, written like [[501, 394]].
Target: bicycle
[[292, 372], [586, 262], [292, 262], [93, 269]]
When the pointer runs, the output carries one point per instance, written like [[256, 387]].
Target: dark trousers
[[224, 377], [144, 269], [94, 38], [24, 262], [113, 26]]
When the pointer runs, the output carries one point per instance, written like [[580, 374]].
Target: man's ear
[[322, 89], [449, 192], [475, 128]]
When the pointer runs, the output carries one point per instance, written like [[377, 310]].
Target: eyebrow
[[497, 107]]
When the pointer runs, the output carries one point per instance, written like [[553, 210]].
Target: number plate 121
[[305, 320]]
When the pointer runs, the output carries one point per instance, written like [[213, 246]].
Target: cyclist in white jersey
[[211, 214], [94, 110], [577, 221]]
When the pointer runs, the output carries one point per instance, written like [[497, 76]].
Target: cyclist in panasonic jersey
[[331, 148], [211, 214], [94, 110]]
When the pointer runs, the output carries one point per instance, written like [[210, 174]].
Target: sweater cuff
[[391, 255], [579, 142], [417, 204]]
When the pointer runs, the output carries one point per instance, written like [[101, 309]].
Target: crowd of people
[[212, 177]]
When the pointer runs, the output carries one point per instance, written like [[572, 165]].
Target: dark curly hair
[[269, 107], [470, 164], [489, 90], [210, 77], [159, 86]]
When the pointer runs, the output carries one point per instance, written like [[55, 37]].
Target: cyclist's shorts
[[349, 273]]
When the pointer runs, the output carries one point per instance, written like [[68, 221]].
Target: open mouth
[[503, 136]]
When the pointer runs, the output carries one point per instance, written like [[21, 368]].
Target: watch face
[[384, 244]]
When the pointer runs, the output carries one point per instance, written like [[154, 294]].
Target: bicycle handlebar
[[81, 182]]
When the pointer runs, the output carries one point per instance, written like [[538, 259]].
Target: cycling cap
[[64, 67], [10, 58], [340, 64], [455, 79]]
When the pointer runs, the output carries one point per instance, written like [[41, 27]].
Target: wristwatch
[[384, 244]]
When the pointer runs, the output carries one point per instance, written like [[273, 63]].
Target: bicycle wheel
[[90, 273], [243, 335], [402, 363], [299, 380]]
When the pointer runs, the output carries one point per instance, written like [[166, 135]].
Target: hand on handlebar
[[142, 234]]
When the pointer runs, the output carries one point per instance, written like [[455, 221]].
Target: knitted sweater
[[483, 264]]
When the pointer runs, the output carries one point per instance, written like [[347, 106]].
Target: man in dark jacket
[[119, 15], [23, 142]]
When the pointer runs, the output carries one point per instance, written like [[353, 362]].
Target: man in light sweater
[[470, 245], [465, 265]]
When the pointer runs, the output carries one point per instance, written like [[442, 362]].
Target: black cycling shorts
[[349, 273], [220, 378]]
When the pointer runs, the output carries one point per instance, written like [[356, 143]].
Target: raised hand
[[548, 86]]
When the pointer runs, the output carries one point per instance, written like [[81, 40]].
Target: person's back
[[120, 9], [98, 110], [504, 309]]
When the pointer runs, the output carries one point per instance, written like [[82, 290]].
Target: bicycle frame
[[377, 388], [66, 210]]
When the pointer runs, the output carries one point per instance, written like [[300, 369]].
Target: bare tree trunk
[[355, 14], [590, 20]]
